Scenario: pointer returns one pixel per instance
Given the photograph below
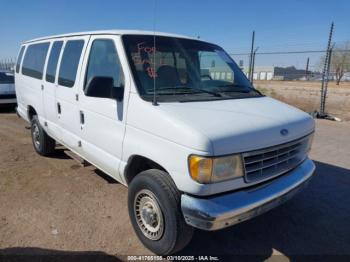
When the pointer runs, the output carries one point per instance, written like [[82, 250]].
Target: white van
[[171, 117], [7, 88]]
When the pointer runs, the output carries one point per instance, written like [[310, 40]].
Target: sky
[[279, 25]]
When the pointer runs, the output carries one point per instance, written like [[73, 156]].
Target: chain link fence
[[295, 77]]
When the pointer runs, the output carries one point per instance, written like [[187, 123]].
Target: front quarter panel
[[151, 134], [171, 156]]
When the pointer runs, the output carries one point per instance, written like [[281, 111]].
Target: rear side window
[[19, 59], [34, 60], [70, 62], [52, 63]]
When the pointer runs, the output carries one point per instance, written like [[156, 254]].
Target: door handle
[[82, 118], [59, 108]]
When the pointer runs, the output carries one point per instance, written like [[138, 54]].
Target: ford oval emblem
[[284, 132]]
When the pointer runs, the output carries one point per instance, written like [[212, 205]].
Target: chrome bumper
[[218, 212]]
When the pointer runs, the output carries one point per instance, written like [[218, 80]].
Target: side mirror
[[118, 93], [102, 86]]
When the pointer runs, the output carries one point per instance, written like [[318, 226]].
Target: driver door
[[102, 121]]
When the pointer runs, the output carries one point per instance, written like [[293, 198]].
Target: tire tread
[[47, 143], [183, 232]]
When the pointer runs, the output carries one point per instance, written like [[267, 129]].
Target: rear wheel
[[155, 212], [43, 144]]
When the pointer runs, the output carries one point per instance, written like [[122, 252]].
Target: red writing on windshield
[[138, 60], [147, 49], [151, 72]]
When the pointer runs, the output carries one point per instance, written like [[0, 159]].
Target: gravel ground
[[55, 206]]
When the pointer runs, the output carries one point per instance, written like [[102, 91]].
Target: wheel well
[[137, 164], [31, 112]]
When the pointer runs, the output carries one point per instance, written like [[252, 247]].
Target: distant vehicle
[[171, 117], [7, 88]]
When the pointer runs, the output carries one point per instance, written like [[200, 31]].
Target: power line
[[291, 52]]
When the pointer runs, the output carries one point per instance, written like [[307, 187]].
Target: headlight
[[206, 170], [309, 142]]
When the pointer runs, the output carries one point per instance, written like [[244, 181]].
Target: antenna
[[154, 54]]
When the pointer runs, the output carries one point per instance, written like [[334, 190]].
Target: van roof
[[109, 32]]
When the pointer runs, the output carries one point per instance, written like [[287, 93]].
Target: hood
[[238, 125]]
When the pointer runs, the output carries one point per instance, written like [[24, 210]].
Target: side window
[[69, 63], [53, 59], [104, 61], [19, 59], [34, 60]]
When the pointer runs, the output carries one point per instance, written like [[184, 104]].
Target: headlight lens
[[206, 170], [309, 142]]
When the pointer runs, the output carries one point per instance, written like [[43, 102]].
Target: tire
[[175, 234], [43, 144]]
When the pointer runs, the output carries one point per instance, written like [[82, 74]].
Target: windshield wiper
[[237, 91], [233, 85], [189, 88], [247, 90]]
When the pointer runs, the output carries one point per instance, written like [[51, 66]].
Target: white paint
[[114, 132]]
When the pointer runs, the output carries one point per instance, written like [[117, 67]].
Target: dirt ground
[[306, 95], [53, 206]]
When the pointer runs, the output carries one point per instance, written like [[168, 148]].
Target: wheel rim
[[36, 135], [149, 216]]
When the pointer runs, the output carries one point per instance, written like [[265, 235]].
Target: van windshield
[[184, 70]]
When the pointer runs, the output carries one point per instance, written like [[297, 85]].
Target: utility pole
[[325, 73], [307, 69], [327, 78], [253, 64], [250, 74]]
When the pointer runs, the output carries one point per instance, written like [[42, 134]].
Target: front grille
[[273, 161]]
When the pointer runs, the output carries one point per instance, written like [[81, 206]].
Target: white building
[[262, 72]]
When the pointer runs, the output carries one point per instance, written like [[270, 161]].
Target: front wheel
[[155, 213]]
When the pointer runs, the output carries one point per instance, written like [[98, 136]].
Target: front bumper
[[218, 212]]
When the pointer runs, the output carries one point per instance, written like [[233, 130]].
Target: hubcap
[[36, 135], [148, 215]]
